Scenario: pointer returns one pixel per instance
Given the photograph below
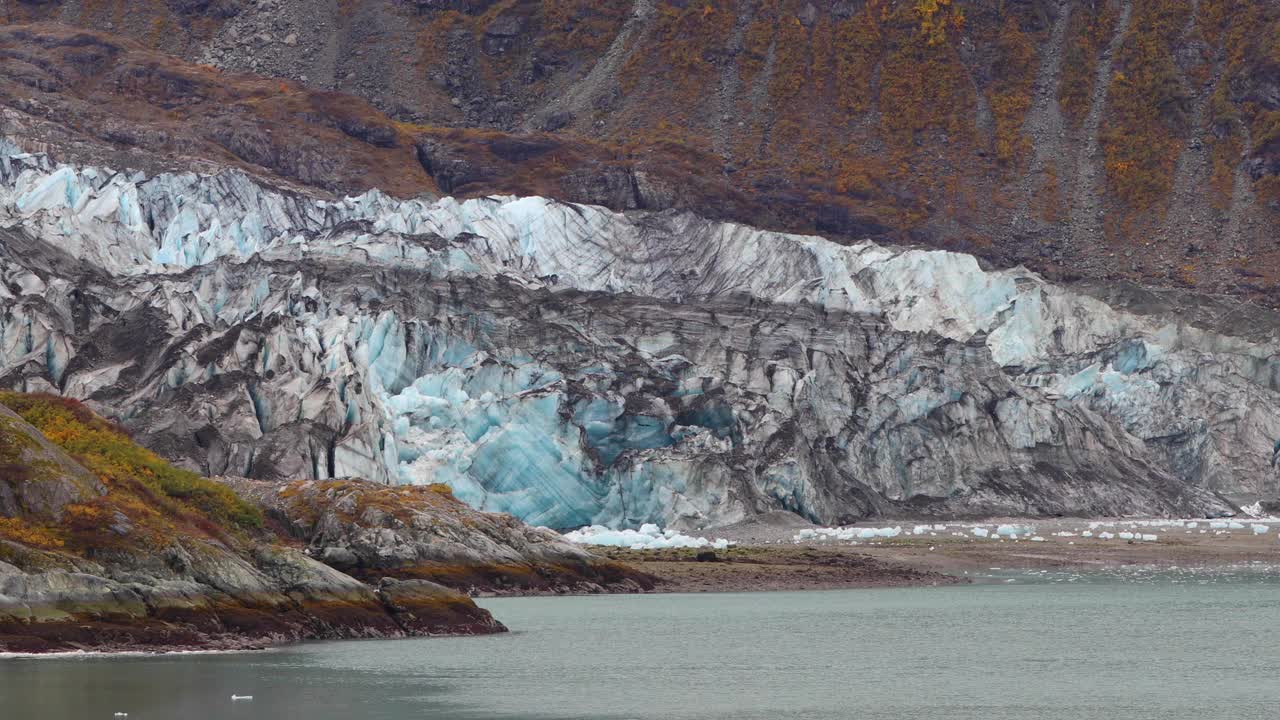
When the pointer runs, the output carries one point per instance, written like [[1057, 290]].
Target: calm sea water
[[1158, 650]]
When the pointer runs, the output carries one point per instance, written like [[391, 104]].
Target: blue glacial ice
[[575, 366]]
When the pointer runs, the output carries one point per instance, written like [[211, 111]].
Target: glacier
[[575, 366]]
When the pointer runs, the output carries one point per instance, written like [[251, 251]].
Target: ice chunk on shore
[[981, 532], [1260, 529], [648, 537], [848, 533]]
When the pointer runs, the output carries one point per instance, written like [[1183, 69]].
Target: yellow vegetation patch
[[150, 492], [858, 42], [584, 26], [675, 66], [1148, 107], [1052, 207], [924, 86], [1089, 29], [20, 531], [1014, 76]]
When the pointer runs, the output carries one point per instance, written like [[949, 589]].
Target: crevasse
[[577, 366]]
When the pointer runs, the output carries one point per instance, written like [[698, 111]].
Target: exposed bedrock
[[379, 533], [573, 365], [87, 564]]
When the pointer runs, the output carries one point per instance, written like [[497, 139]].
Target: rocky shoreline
[[412, 608], [408, 610], [771, 554], [105, 547], [766, 568]]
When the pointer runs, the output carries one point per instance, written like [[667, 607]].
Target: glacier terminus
[[576, 366]]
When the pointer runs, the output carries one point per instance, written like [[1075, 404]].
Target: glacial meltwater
[[1163, 649]]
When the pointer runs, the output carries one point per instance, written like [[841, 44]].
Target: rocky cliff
[[375, 531], [1106, 139], [569, 364], [103, 546]]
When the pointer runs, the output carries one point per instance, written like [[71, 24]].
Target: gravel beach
[[775, 553]]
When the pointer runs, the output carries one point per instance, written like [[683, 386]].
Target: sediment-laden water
[[1027, 650]]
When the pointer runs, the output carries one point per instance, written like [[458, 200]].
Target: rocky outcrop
[[50, 601], [163, 574], [373, 531], [572, 365], [35, 478]]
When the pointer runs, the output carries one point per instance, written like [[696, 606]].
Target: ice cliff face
[[572, 365]]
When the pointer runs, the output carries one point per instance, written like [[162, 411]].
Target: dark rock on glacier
[[573, 365]]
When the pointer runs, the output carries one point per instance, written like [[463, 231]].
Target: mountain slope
[[1118, 139]]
